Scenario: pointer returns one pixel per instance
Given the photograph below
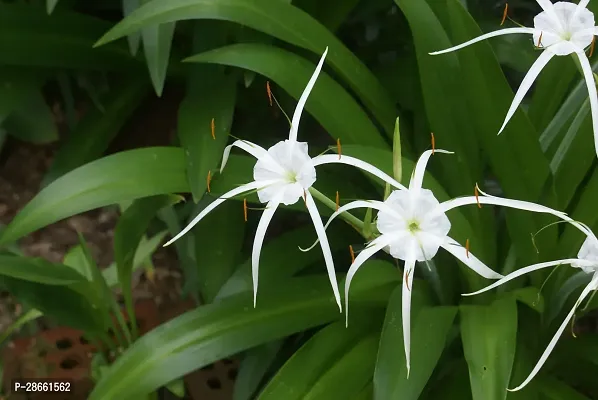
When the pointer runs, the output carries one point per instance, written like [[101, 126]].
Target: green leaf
[[128, 233], [554, 389], [17, 87], [276, 18], [93, 134], [215, 331], [39, 270], [50, 4], [177, 387], [62, 40], [489, 335], [32, 121], [117, 178], [218, 244], [28, 316], [134, 38], [207, 100], [330, 104], [314, 364], [157, 40], [430, 327], [253, 368]]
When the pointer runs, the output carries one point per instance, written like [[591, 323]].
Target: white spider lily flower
[[283, 174], [413, 226], [587, 261], [561, 29]]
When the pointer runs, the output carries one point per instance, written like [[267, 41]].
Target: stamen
[[338, 147], [592, 46], [573, 327], [407, 280], [213, 126], [209, 179], [467, 248], [477, 195], [433, 142], [269, 92], [337, 200], [305, 197], [540, 40], [352, 254], [245, 208], [504, 14]]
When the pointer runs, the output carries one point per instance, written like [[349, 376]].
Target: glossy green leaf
[[208, 101], [554, 389], [313, 365], [61, 40], [276, 18], [120, 177], [489, 335], [24, 318], [128, 233], [330, 104], [134, 39], [253, 368], [215, 331], [32, 121], [93, 134], [50, 5], [430, 327], [38, 270], [17, 86]]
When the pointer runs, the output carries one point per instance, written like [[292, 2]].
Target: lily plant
[[284, 174], [561, 29], [413, 226], [587, 261]]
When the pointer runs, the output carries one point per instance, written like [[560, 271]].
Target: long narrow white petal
[[417, 177], [317, 220], [258, 241], [375, 246], [500, 32], [527, 82], [332, 159], [548, 7], [303, 99], [406, 309], [453, 247], [253, 149], [526, 270], [591, 286], [591, 84], [243, 188]]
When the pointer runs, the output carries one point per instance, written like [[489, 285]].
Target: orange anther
[[213, 126], [477, 196], [504, 14], [209, 179], [433, 142], [269, 92], [592, 46], [305, 197], [245, 208], [407, 280], [337, 200], [352, 254], [467, 248], [540, 40], [338, 148]]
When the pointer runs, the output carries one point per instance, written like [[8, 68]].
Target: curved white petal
[[375, 246], [526, 270], [255, 150], [527, 82], [591, 84], [303, 98], [453, 247], [258, 241], [243, 188], [593, 285], [548, 7], [409, 271], [500, 32], [417, 176], [323, 239], [332, 159]]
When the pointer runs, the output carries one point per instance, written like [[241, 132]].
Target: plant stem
[[351, 219]]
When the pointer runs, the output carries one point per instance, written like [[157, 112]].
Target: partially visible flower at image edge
[[284, 174], [413, 226], [561, 29], [587, 261]]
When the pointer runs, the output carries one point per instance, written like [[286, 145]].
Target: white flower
[[560, 29], [413, 226], [587, 261], [284, 174]]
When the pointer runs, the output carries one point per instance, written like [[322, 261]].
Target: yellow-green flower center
[[413, 226]]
